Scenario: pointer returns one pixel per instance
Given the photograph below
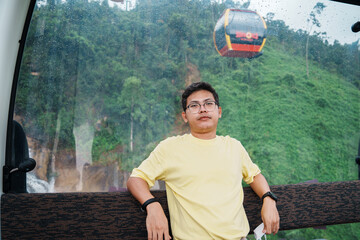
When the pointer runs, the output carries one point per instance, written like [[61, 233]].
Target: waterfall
[[36, 185]]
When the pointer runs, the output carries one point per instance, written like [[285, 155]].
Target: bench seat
[[117, 215]]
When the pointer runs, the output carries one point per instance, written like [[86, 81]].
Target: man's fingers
[[149, 231], [277, 226], [267, 228], [166, 234], [158, 234], [275, 229], [271, 228], [155, 236]]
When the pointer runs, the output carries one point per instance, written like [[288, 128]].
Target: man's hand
[[270, 216], [269, 212], [156, 222]]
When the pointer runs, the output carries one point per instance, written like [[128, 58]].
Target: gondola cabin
[[240, 33]]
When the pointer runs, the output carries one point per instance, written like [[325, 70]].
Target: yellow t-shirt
[[203, 184]]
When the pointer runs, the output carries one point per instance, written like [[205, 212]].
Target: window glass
[[100, 86]]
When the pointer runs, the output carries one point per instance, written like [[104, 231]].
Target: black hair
[[197, 86]]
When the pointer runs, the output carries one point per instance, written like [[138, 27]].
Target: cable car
[[240, 33]]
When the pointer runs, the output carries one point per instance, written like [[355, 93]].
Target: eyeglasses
[[208, 106]]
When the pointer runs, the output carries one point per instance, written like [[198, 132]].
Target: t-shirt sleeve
[[152, 168], [249, 169]]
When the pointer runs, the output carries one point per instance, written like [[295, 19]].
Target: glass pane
[[100, 86]]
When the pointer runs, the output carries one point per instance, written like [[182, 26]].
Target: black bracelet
[[147, 202], [269, 194]]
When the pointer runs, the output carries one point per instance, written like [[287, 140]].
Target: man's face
[[204, 121]]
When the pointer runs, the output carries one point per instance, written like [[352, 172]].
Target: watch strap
[[269, 194], [147, 202]]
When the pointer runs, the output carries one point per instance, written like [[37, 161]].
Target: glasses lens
[[194, 108], [209, 106]]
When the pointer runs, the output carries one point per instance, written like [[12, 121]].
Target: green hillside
[[289, 122], [122, 73]]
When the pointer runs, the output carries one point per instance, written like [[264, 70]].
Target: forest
[[122, 73]]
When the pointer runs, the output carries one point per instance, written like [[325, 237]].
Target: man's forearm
[[260, 185], [139, 189]]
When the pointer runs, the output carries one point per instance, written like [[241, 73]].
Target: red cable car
[[240, 33]]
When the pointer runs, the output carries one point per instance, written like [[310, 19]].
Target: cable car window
[[245, 22], [100, 85], [244, 19]]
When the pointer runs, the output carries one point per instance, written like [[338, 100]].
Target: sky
[[336, 19]]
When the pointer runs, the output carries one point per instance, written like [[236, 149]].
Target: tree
[[317, 10], [133, 104]]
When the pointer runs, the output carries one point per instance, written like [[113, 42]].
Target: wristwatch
[[269, 194]]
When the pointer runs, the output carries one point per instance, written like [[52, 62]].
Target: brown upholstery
[[117, 215]]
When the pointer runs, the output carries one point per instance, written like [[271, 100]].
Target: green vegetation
[[122, 73], [301, 124]]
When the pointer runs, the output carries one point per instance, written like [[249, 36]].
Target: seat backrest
[[117, 215]]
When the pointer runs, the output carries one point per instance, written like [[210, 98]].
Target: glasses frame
[[202, 105]]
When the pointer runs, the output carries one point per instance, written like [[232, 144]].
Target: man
[[203, 174]]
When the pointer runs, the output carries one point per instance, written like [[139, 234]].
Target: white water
[[36, 185]]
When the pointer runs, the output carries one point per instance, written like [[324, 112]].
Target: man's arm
[[156, 221], [269, 213]]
